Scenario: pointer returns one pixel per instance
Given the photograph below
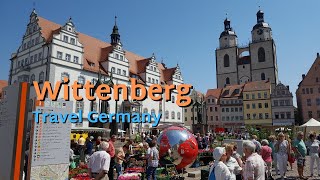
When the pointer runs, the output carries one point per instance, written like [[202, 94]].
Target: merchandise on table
[[130, 176]]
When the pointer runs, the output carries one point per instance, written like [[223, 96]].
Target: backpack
[[212, 176]]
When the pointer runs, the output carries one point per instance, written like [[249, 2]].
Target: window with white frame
[[117, 56], [172, 115], [65, 38], [79, 106], [76, 59], [81, 80], [59, 55], [149, 79], [68, 57], [113, 70], [121, 57], [145, 110], [153, 111], [167, 114], [39, 56], [64, 75], [178, 115], [119, 71], [124, 72], [152, 80], [73, 41], [157, 82], [32, 78], [41, 77]]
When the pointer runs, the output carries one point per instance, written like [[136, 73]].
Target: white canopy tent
[[311, 125]]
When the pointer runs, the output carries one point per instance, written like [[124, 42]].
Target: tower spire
[[115, 36]]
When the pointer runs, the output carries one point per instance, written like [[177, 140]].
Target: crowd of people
[[259, 158], [104, 160]]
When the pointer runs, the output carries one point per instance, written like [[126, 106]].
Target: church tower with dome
[[253, 62]]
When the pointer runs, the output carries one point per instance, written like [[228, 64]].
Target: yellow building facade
[[257, 110]]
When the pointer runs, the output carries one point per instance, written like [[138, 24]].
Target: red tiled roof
[[257, 86], [214, 92], [232, 91], [3, 84], [97, 51]]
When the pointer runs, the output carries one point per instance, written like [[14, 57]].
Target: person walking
[[112, 152], [99, 163], [82, 148], [301, 152], [266, 154], [153, 161], [282, 149], [219, 171], [254, 167], [291, 158], [257, 143], [232, 164], [273, 142], [314, 153]]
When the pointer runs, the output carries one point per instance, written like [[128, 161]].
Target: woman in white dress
[[314, 153], [283, 149], [232, 163]]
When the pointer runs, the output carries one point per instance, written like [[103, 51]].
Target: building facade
[[308, 93], [257, 103], [253, 62], [51, 52], [282, 106], [231, 105], [212, 98]]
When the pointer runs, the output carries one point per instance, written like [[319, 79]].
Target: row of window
[[66, 39], [30, 43], [281, 103], [152, 80], [211, 101], [232, 109], [25, 78], [310, 115], [123, 73], [153, 68], [32, 28], [282, 115], [309, 102], [282, 92], [235, 101], [232, 118], [253, 105], [309, 90], [254, 116], [67, 57], [27, 61], [119, 56], [253, 96], [215, 109]]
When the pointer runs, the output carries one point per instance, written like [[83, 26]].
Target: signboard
[[51, 143], [13, 118]]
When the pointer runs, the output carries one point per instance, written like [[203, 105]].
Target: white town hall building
[[50, 52]]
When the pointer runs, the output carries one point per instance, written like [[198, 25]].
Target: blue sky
[[179, 31]]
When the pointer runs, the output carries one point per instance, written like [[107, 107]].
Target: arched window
[[167, 114], [153, 111], [261, 55], [33, 78], [226, 60], [145, 110], [263, 76], [172, 115], [63, 75], [41, 77], [227, 80], [81, 80], [172, 99], [178, 116]]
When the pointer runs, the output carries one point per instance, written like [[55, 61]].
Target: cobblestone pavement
[[291, 174]]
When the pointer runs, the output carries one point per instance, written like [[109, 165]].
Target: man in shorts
[[301, 152]]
